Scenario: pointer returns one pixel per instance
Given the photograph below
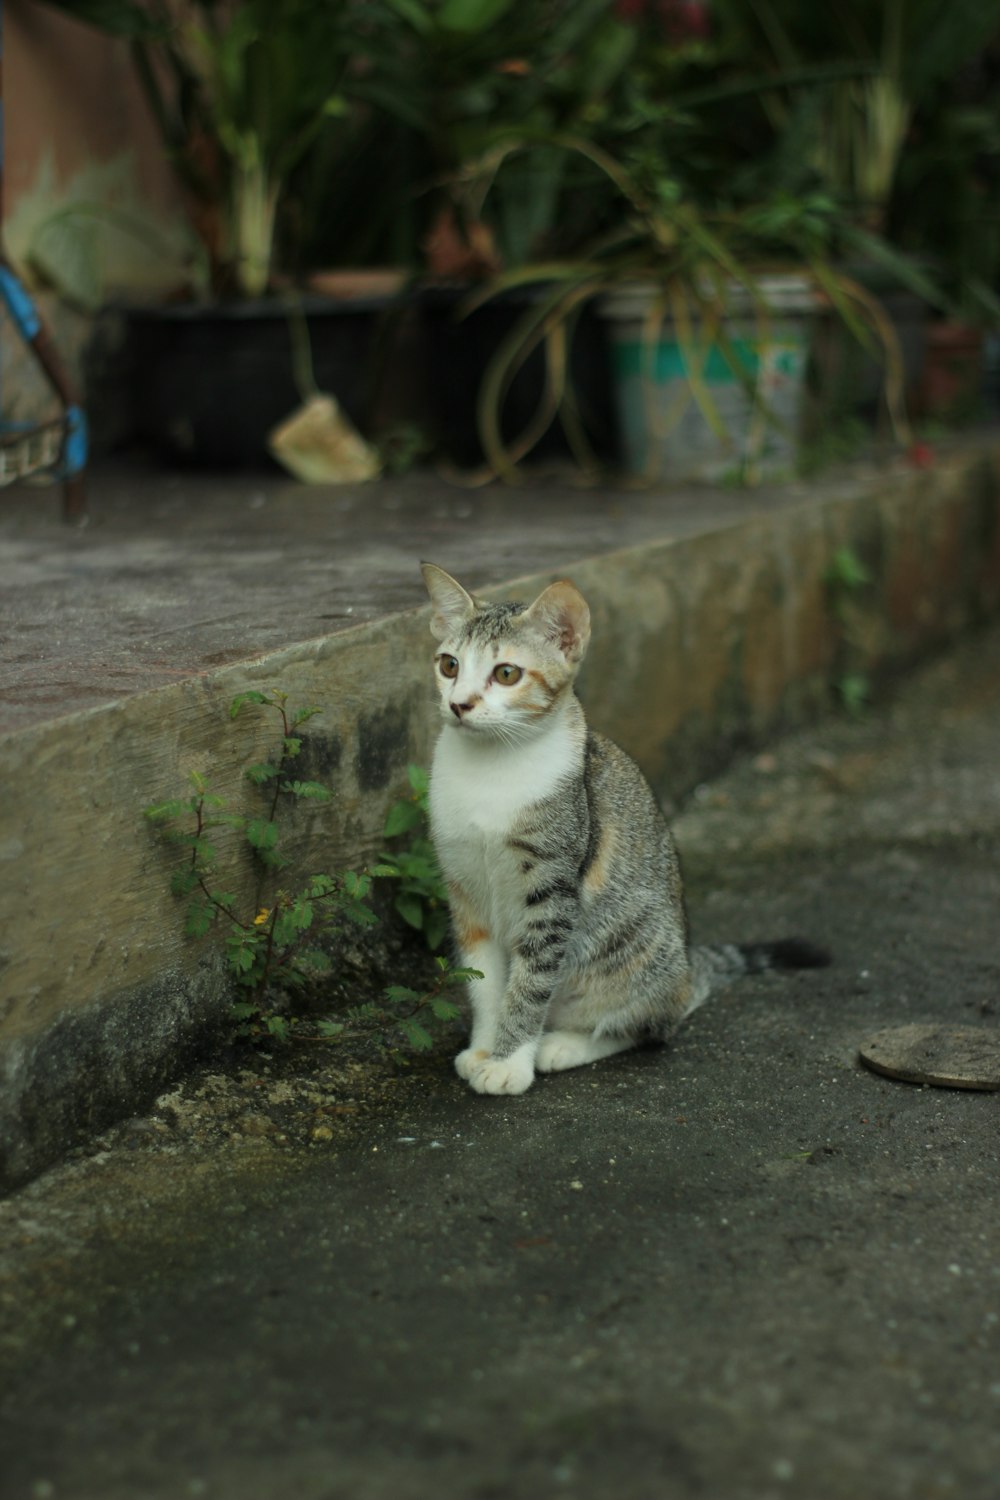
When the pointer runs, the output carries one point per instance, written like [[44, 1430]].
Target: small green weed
[[402, 447], [278, 947], [422, 897], [274, 949], [411, 1012], [846, 572], [846, 581], [837, 442]]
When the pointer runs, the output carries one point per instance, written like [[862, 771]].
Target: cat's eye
[[507, 675], [448, 666]]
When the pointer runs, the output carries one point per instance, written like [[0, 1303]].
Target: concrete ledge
[[701, 644]]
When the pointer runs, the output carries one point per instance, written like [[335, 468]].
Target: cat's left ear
[[452, 606], [563, 616]]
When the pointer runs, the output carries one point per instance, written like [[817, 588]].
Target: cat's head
[[502, 668]]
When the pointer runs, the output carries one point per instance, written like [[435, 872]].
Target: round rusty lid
[[951, 1057]]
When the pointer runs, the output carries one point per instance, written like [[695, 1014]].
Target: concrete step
[[715, 627]]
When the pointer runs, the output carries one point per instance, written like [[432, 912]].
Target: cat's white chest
[[489, 786], [479, 795], [485, 788]]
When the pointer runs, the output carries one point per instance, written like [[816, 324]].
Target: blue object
[[74, 456], [31, 448], [19, 304]]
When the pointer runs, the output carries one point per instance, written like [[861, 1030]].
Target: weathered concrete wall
[[717, 641], [92, 210], [91, 942], [90, 200], [700, 645]]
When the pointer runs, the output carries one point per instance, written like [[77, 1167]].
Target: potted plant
[[469, 72], [892, 139], [945, 203], [773, 138], [241, 91], [855, 126], [709, 309], [688, 192]]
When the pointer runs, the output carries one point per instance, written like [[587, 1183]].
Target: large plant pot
[[666, 433], [209, 382], [458, 348], [849, 380], [953, 376]]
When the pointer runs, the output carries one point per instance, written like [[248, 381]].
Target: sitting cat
[[563, 878]]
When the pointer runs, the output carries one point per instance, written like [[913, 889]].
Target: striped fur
[[565, 886]]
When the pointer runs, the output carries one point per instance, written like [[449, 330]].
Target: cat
[[564, 884]]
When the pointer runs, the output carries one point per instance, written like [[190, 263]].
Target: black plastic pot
[[848, 380], [457, 349], [209, 382]]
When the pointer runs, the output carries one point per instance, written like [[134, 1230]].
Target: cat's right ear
[[452, 606]]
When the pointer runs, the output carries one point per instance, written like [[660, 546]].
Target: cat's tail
[[715, 966]]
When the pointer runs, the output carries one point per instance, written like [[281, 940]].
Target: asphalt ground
[[740, 1267]]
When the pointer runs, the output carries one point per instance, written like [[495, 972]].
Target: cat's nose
[[458, 709]]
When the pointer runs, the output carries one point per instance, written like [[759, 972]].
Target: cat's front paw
[[503, 1075], [469, 1059]]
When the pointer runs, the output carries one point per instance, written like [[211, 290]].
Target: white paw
[[564, 1049], [502, 1075], [467, 1060]]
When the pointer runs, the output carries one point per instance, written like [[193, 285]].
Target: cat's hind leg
[[559, 1050]]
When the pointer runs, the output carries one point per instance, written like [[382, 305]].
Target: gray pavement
[[739, 1268], [176, 574]]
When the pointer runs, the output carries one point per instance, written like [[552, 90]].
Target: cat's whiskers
[[512, 731]]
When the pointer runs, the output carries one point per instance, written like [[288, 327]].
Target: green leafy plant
[[694, 266], [487, 67], [856, 129], [847, 579], [413, 1013], [422, 897], [276, 945], [240, 92], [275, 948], [907, 140], [402, 447]]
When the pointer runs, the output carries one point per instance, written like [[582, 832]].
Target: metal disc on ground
[[953, 1057]]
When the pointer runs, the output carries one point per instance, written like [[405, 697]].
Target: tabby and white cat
[[563, 878]]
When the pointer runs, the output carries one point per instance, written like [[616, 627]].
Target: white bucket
[[665, 434]]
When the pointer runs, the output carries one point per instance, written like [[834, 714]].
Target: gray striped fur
[[573, 903]]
